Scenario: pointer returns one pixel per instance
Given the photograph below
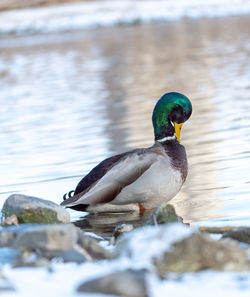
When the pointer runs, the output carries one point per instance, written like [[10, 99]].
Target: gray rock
[[64, 241], [29, 258], [8, 236], [34, 210], [199, 252], [65, 256], [178, 248], [164, 214], [242, 234], [144, 244], [91, 248], [39, 236], [61, 237], [218, 230], [41, 258], [119, 230], [129, 283]]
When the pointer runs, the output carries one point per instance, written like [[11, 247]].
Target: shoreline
[[96, 14], [7, 5]]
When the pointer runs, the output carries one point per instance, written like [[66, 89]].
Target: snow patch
[[143, 244]]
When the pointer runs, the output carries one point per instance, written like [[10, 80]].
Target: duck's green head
[[169, 114]]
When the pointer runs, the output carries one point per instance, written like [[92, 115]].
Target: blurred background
[[79, 80]]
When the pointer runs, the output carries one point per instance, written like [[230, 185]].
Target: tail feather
[[80, 207], [68, 195]]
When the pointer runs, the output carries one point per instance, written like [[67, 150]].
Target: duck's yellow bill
[[177, 128]]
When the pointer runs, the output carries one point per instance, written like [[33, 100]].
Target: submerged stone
[[164, 214], [34, 210], [218, 230], [119, 230], [129, 283], [242, 234]]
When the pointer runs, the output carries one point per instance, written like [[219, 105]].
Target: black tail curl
[[68, 195]]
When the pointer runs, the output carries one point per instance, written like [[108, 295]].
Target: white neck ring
[[166, 138]]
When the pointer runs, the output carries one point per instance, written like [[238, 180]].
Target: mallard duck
[[143, 178]]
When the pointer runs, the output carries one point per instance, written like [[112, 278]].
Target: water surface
[[70, 100]]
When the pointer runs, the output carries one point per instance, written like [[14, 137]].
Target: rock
[[41, 258], [199, 252], [144, 244], [63, 241], [65, 256], [37, 244], [8, 236], [61, 237], [242, 234], [177, 248], [91, 248], [34, 210], [120, 229], [29, 258], [39, 236], [12, 220], [129, 283], [164, 214], [218, 230]]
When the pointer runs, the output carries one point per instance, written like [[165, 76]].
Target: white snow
[[110, 13], [65, 279], [143, 244], [205, 284]]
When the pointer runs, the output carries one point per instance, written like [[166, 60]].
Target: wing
[[107, 179], [99, 171], [95, 174]]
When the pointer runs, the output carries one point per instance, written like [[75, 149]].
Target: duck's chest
[[160, 183]]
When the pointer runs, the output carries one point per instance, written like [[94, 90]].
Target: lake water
[[69, 100]]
